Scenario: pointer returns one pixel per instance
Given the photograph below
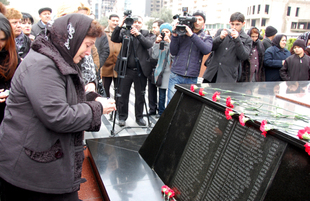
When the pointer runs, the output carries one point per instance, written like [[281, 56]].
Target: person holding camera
[[137, 69], [152, 89], [188, 50], [230, 48], [161, 52]]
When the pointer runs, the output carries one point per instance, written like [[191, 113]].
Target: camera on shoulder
[[186, 19]]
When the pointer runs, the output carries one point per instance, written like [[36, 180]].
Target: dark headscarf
[[277, 39], [67, 34]]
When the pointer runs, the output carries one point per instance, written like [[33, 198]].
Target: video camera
[[128, 20], [186, 19]]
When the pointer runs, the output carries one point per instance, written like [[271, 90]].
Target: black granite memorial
[[201, 155]]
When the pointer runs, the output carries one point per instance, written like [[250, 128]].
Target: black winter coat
[[296, 68], [143, 42]]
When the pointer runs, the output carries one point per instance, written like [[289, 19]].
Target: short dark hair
[[27, 16], [113, 15], [237, 16], [159, 22]]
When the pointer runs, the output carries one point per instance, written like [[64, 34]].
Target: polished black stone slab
[[121, 171], [203, 156]]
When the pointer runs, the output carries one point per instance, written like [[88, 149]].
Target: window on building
[[263, 23], [266, 9], [308, 27], [288, 11], [302, 25], [253, 23], [294, 25], [258, 9], [253, 11], [297, 12]]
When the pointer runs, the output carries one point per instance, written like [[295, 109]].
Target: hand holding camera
[[229, 32]]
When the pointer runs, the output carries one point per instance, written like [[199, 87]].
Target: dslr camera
[[128, 20], [186, 19], [162, 42]]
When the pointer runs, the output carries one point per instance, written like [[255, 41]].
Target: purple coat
[[188, 52]]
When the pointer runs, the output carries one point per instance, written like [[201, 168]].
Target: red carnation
[[242, 119], [307, 146], [201, 92], [304, 133], [171, 193], [216, 96], [165, 189], [229, 102], [193, 87], [229, 113]]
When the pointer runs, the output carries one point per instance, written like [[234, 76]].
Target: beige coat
[[107, 69]]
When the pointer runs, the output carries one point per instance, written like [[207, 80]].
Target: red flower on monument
[[165, 189], [171, 193], [304, 133], [216, 96], [229, 113], [307, 146], [229, 102], [264, 127], [193, 87], [201, 92], [242, 119]]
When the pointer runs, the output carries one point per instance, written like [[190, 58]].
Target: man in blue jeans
[[188, 50]]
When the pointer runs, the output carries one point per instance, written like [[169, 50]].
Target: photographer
[[230, 48], [188, 50], [161, 52], [137, 57], [152, 89]]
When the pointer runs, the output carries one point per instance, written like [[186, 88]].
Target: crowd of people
[[49, 74]]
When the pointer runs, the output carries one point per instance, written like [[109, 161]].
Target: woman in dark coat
[[41, 136], [275, 57], [252, 68], [8, 60]]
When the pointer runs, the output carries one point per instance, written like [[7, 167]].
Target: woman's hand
[[108, 105], [90, 87], [3, 96]]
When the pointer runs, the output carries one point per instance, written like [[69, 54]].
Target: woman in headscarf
[[252, 68], [161, 51], [9, 61], [275, 57], [41, 136]]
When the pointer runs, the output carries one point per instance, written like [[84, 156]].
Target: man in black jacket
[[230, 47], [137, 69], [45, 16]]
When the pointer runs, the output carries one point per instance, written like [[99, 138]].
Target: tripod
[[121, 72]]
